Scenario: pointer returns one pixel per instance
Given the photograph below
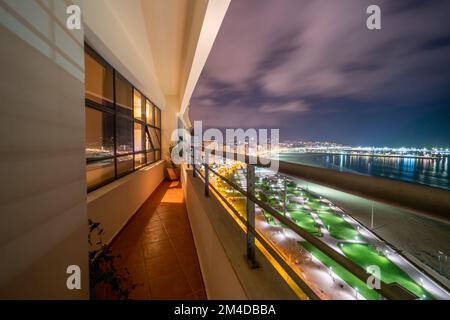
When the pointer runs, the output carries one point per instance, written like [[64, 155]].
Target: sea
[[430, 172]]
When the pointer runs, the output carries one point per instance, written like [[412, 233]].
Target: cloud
[[290, 107], [233, 115], [339, 57], [277, 62]]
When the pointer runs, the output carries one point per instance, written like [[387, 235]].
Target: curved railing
[[397, 193]]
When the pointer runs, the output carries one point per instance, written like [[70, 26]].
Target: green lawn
[[345, 275], [314, 203], [338, 227], [362, 254], [269, 218], [365, 255], [292, 206], [304, 220]]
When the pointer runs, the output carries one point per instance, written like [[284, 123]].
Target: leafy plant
[[102, 269]]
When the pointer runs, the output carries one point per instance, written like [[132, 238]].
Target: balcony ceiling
[[159, 45]]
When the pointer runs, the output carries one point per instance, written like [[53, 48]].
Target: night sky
[[313, 70]]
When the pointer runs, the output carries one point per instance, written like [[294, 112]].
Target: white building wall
[[43, 223]]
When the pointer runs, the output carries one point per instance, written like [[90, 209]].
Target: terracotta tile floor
[[157, 247]]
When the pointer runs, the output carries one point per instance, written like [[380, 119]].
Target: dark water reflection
[[431, 172]]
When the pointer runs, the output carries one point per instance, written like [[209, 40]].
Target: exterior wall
[[43, 222], [114, 204], [221, 282]]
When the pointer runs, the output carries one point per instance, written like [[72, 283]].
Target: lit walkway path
[[158, 249]]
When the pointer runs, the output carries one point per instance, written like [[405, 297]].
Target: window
[[138, 102], [124, 165], [157, 118], [139, 160], [99, 134], [149, 112], [98, 80], [154, 139], [124, 136], [99, 172], [150, 157], [138, 137], [124, 96], [122, 126]]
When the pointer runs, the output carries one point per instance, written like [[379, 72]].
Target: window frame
[[114, 110]]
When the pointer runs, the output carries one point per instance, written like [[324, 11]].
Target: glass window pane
[[124, 165], [100, 172], [154, 138], [138, 101], [124, 92], [150, 157], [139, 160], [148, 145], [158, 135], [138, 137], [149, 112], [157, 118], [124, 136], [99, 134], [157, 155], [98, 81]]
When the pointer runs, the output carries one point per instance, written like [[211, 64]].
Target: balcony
[[315, 246], [102, 154], [157, 248]]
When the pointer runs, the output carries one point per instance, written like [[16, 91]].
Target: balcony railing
[[207, 163]]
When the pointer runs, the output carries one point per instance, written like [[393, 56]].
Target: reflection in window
[[148, 144], [157, 118], [99, 134], [138, 137], [99, 173], [154, 138], [124, 165], [149, 112], [117, 116], [124, 136], [139, 160], [98, 81], [138, 101], [124, 93], [150, 157], [158, 134]]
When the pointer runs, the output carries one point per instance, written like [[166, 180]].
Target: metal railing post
[[251, 217], [193, 162], [285, 195], [206, 164]]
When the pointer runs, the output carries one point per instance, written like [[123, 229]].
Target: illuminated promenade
[[336, 229]]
